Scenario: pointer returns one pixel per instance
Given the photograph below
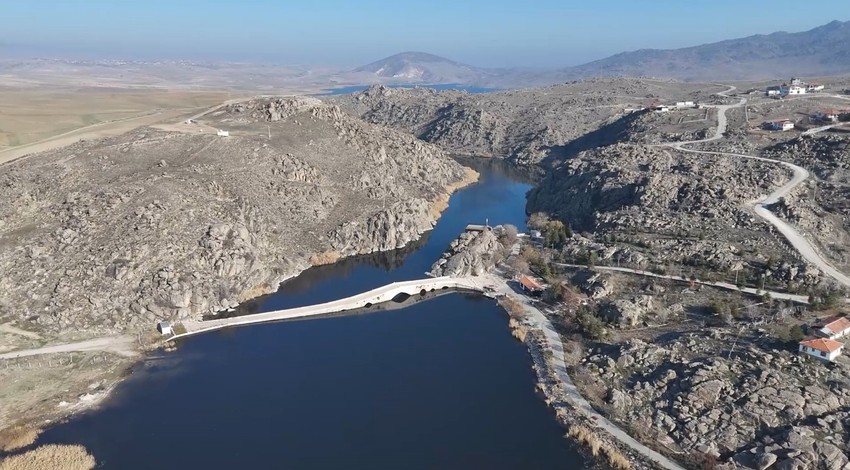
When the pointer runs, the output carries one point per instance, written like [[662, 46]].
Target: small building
[[797, 81], [476, 228], [781, 125], [773, 91], [835, 328], [222, 133], [530, 285], [659, 108], [811, 87], [685, 104], [165, 328], [822, 348], [786, 89], [828, 115]]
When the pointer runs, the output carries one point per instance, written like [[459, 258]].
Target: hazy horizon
[[501, 34]]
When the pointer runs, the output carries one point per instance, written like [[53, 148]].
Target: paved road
[[553, 343], [804, 299], [800, 174], [122, 345]]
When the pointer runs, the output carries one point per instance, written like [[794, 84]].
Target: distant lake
[[437, 86], [437, 384]]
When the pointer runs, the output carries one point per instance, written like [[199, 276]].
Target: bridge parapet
[[366, 299]]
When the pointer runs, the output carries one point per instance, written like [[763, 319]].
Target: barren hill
[[155, 224], [422, 67]]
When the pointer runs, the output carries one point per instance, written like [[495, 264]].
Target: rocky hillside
[[822, 207], [105, 235], [757, 409], [526, 126], [653, 189]]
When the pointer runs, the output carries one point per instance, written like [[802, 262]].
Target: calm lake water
[[437, 86], [439, 384]]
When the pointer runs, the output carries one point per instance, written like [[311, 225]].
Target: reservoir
[[436, 384]]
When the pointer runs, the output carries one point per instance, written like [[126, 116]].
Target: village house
[[786, 89], [685, 104], [221, 133], [530, 285], [811, 87], [835, 328], [659, 108], [773, 91], [822, 348], [781, 125]]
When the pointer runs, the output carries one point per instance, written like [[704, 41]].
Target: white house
[[822, 348], [659, 108], [837, 328], [773, 91], [685, 104], [781, 125], [164, 327], [814, 87], [786, 89], [222, 133]]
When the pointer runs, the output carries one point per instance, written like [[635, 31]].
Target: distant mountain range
[[824, 50]]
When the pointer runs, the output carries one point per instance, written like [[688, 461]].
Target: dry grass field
[[30, 116]]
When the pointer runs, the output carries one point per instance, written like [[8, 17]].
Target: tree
[[519, 265], [509, 235], [796, 333], [590, 324], [538, 220]]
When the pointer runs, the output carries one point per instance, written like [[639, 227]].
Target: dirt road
[[121, 345]]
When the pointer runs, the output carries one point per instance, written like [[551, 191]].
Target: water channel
[[436, 384]]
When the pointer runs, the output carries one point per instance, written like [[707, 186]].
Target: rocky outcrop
[[654, 189], [628, 312], [472, 254], [110, 234], [756, 409]]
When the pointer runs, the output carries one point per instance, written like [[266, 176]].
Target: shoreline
[[585, 426], [124, 369]]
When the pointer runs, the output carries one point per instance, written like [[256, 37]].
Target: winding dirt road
[[800, 175]]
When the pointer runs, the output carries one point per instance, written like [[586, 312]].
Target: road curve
[[800, 174]]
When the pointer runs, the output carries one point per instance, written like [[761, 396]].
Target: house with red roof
[[835, 328], [824, 349], [530, 285]]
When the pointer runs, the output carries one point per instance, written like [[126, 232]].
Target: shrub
[[50, 457], [17, 437]]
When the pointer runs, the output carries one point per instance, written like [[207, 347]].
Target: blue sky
[[338, 32]]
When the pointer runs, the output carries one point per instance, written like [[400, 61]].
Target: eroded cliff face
[[110, 234]]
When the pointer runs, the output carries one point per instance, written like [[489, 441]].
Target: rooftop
[[530, 283], [823, 344], [837, 326]]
